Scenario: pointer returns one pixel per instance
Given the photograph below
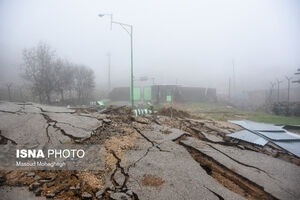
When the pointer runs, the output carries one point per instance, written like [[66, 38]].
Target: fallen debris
[[171, 112], [262, 133]]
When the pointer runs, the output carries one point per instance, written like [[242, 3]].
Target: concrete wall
[[120, 94], [196, 94]]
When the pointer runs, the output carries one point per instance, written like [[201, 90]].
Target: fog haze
[[193, 42]]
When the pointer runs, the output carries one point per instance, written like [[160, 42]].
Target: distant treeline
[[49, 76]]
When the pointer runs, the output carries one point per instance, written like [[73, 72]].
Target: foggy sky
[[194, 42]]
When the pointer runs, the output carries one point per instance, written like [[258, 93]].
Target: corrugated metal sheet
[[292, 147], [262, 133], [256, 126], [279, 136], [249, 137]]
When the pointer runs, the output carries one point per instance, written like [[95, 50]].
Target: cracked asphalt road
[[36, 124], [150, 157]]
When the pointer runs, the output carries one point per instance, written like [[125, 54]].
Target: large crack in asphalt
[[244, 164], [85, 129], [4, 140], [54, 125], [227, 177], [153, 143], [141, 158], [216, 194], [200, 135], [11, 112], [122, 187], [46, 111], [196, 129], [239, 162], [119, 187], [47, 133]]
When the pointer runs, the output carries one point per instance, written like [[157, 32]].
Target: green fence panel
[[137, 94], [169, 98], [147, 93]]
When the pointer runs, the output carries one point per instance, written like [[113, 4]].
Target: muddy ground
[[167, 155]]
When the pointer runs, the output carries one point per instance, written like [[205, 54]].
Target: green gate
[[137, 94], [147, 93]]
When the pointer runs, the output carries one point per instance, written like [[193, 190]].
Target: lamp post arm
[[130, 33], [115, 22], [124, 27]]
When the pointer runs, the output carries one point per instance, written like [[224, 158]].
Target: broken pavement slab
[[24, 129], [40, 124], [20, 193], [276, 177], [181, 175]]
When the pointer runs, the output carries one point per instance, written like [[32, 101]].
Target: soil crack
[[119, 187], [153, 143], [62, 131], [227, 177], [216, 194]]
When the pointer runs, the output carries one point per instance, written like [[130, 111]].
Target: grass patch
[[274, 119], [223, 112]]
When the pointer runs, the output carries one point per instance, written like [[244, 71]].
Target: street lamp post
[[130, 33], [108, 74]]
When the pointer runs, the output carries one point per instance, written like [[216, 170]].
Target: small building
[[165, 93]]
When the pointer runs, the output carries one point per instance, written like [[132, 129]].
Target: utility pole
[[229, 89], [288, 100], [271, 90], [129, 29], [131, 53], [108, 78], [153, 81], [278, 83], [233, 79], [297, 73]]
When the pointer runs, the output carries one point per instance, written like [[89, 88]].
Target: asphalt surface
[[277, 177], [160, 165], [36, 124]]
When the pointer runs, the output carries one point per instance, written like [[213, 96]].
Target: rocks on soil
[[99, 194], [86, 196], [171, 112], [50, 195]]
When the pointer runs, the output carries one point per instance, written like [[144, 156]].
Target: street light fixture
[[129, 29]]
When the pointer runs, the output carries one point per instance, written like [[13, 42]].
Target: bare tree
[[48, 74], [64, 74], [8, 85], [84, 82], [38, 69]]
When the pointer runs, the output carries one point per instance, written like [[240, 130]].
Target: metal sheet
[[292, 147], [256, 126], [268, 132], [279, 136], [249, 137]]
